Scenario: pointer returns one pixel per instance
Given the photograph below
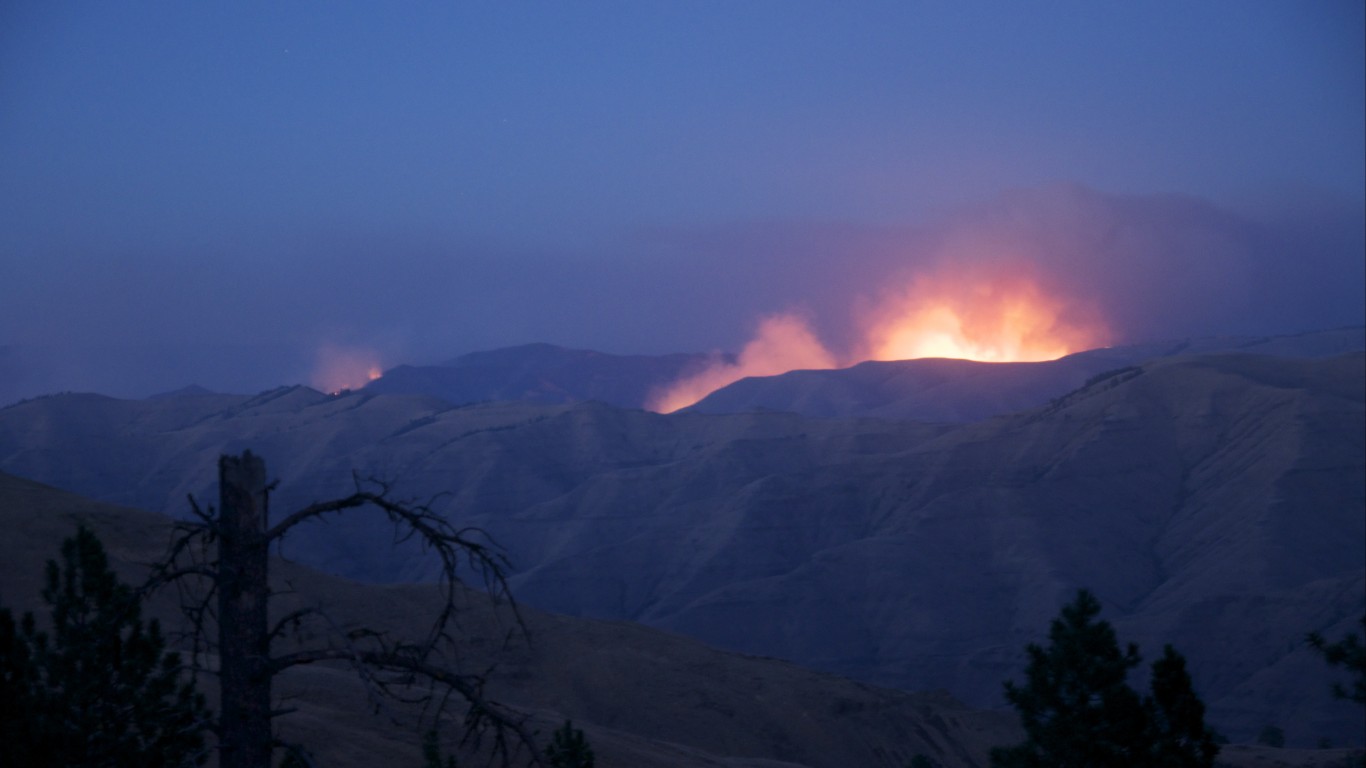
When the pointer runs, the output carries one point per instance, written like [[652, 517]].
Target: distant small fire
[[1002, 315], [339, 368]]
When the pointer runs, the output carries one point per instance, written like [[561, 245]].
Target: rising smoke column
[[782, 343]]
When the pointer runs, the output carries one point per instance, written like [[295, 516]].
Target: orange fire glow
[[1000, 318], [1002, 315], [338, 368]]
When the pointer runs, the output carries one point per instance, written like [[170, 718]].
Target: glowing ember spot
[[999, 318], [338, 368], [783, 343]]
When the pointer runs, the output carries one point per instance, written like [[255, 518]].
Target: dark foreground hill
[[646, 699], [1214, 502]]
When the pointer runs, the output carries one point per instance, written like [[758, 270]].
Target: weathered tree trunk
[[243, 643]]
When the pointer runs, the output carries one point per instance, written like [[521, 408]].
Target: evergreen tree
[[1350, 653], [1075, 706], [431, 752], [569, 748], [100, 689], [1078, 710], [1177, 716], [17, 683]]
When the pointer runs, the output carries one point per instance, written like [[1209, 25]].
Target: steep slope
[[1215, 503], [1211, 501], [646, 698]]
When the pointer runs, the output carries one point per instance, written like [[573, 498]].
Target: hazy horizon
[[226, 195]]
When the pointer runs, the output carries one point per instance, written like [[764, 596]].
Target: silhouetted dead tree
[[219, 562]]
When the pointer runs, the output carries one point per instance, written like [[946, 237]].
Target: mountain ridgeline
[[544, 373], [926, 390], [1210, 500]]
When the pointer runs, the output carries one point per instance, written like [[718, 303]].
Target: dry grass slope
[[645, 698]]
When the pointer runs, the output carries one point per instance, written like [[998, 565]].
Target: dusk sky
[[214, 192]]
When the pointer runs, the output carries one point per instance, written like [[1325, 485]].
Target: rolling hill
[[646, 698], [1211, 501], [542, 373], [964, 390]]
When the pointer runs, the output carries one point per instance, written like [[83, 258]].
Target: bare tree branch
[[290, 622], [458, 550], [392, 671], [484, 714]]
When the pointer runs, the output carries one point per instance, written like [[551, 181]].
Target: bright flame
[[339, 368], [998, 318], [1002, 315], [782, 343]]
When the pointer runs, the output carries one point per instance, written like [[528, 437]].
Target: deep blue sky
[[430, 179]]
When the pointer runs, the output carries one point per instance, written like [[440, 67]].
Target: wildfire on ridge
[[997, 319], [1005, 316], [339, 368]]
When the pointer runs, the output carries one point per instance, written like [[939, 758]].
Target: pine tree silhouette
[[100, 689]]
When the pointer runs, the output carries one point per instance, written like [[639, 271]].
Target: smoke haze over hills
[[489, 239], [221, 195], [1147, 267]]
